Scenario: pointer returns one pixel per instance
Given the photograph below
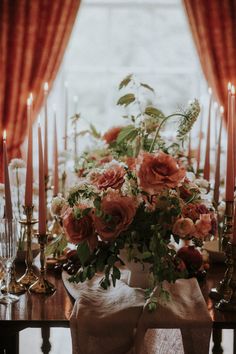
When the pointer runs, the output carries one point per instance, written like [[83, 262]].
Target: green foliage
[[125, 81], [147, 87], [57, 246], [153, 112], [83, 252], [126, 100], [94, 131], [128, 133]]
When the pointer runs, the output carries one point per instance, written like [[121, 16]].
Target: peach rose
[[111, 178], [158, 171], [130, 162], [183, 227], [194, 210], [119, 212], [111, 135], [203, 226], [78, 230]]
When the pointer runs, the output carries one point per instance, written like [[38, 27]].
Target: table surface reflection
[[33, 310], [37, 310]]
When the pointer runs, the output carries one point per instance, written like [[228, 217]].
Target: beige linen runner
[[117, 321]]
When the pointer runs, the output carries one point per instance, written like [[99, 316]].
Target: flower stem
[[159, 128]]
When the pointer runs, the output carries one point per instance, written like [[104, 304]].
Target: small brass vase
[[29, 276], [42, 285]]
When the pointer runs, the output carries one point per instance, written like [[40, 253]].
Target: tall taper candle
[[206, 172], [7, 187], [218, 155], [200, 141], [229, 185], [29, 168], [42, 200], [46, 131], [234, 130], [75, 99], [66, 115], [234, 228], [55, 156]]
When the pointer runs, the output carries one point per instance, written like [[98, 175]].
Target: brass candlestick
[[29, 277], [228, 302], [42, 285], [223, 290]]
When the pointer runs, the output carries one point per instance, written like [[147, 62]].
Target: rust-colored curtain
[[33, 38], [213, 25]]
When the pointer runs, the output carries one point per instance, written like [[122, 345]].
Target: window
[[112, 38]]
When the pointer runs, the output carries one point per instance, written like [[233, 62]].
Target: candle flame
[[29, 101], [31, 97], [45, 87], [4, 135], [222, 109], [229, 86], [216, 105], [210, 91], [232, 90]]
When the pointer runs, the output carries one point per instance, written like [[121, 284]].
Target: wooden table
[[54, 311], [36, 311]]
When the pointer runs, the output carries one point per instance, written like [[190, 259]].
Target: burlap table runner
[[116, 321]]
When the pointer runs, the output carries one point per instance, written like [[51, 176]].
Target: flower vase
[[139, 275]]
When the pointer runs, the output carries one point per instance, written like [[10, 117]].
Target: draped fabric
[[213, 25], [33, 38]]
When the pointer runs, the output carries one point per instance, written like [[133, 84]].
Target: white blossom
[[57, 204]]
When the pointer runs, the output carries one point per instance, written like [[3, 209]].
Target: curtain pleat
[[33, 38], [213, 25]]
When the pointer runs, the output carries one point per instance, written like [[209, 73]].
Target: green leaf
[[116, 272], [125, 81], [111, 260], [126, 99], [146, 255], [147, 87], [101, 260], [83, 252], [94, 131], [127, 133], [153, 112], [113, 278], [57, 246]]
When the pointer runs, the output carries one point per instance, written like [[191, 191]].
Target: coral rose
[[78, 230], [111, 135], [119, 212], [183, 227], [203, 226], [130, 162], [111, 178], [158, 171]]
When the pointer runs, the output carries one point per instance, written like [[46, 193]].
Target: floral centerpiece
[[135, 195]]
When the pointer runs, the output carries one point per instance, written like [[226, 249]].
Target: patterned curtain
[[33, 38], [213, 25]]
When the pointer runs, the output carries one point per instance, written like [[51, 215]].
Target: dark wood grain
[[54, 311], [38, 310], [35, 310]]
